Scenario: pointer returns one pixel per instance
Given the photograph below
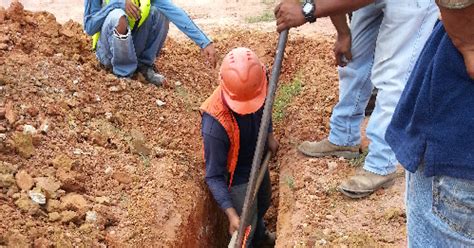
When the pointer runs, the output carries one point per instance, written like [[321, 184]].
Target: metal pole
[[262, 137]]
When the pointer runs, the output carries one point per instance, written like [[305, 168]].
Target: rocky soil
[[90, 160]]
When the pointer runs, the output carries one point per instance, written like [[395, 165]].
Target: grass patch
[[266, 16], [359, 161], [290, 182], [284, 97]]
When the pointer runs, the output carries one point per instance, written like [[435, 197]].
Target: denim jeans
[[140, 46], [387, 38], [260, 207], [440, 211]]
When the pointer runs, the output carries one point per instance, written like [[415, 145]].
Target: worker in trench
[[128, 35], [231, 119], [379, 50]]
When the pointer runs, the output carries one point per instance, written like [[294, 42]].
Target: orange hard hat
[[243, 81]]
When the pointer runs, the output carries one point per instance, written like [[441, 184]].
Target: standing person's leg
[[395, 56], [148, 40], [238, 193], [354, 90], [440, 211], [115, 49], [412, 21]]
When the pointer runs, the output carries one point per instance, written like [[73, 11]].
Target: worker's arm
[[94, 14], [289, 12], [184, 23], [459, 25], [342, 47]]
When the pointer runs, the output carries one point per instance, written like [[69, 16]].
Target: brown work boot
[[324, 148], [364, 183]]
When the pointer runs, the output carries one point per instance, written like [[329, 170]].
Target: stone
[[32, 111], [160, 103], [6, 180], [44, 127], [73, 201], [103, 200], [54, 216], [24, 180], [49, 185], [26, 205], [53, 206], [63, 161], [10, 113], [70, 181], [37, 197], [122, 177], [29, 129], [7, 168], [69, 216], [91, 216], [23, 144]]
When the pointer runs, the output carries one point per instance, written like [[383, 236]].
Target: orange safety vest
[[215, 107]]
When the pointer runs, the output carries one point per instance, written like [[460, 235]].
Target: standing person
[[379, 50], [231, 119], [432, 134], [132, 44]]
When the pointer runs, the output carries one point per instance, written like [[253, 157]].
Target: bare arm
[[289, 13]]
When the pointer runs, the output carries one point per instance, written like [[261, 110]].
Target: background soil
[[120, 163]]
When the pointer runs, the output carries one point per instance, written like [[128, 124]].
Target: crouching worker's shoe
[[364, 183], [324, 148], [151, 75]]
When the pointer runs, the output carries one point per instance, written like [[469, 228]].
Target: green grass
[[290, 182], [266, 16], [284, 97], [359, 161]]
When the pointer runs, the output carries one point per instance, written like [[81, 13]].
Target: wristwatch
[[455, 4], [308, 10]]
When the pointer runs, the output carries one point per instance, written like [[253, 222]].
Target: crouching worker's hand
[[273, 144], [234, 220], [210, 54]]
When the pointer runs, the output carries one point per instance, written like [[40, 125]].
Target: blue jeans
[[140, 46], [387, 38], [440, 211]]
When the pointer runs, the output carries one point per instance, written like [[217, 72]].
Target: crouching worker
[[231, 119], [129, 34]]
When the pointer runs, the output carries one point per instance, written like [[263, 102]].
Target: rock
[[29, 129], [49, 185], [7, 168], [42, 243], [23, 144], [91, 216], [63, 161], [69, 216], [122, 177], [53, 206], [160, 103], [73, 201], [103, 200], [9, 113], [17, 240], [44, 127], [6, 180], [24, 180], [70, 181], [26, 205], [32, 111], [332, 166], [114, 89], [138, 143], [37, 197], [54, 216]]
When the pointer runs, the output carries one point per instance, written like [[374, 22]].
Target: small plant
[[284, 97], [266, 16], [359, 161], [145, 160], [290, 182]]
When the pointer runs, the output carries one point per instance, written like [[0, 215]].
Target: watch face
[[307, 7]]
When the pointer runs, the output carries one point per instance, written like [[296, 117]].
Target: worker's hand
[[342, 49], [289, 14], [273, 144], [234, 220], [132, 10], [210, 54], [459, 25]]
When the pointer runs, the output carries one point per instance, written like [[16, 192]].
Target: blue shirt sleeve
[[95, 14], [216, 148], [184, 23]]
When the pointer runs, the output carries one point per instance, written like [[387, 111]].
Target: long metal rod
[[262, 137]]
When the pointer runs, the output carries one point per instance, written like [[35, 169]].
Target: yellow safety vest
[[144, 6]]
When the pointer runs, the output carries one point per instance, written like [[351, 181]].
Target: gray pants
[[259, 208]]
